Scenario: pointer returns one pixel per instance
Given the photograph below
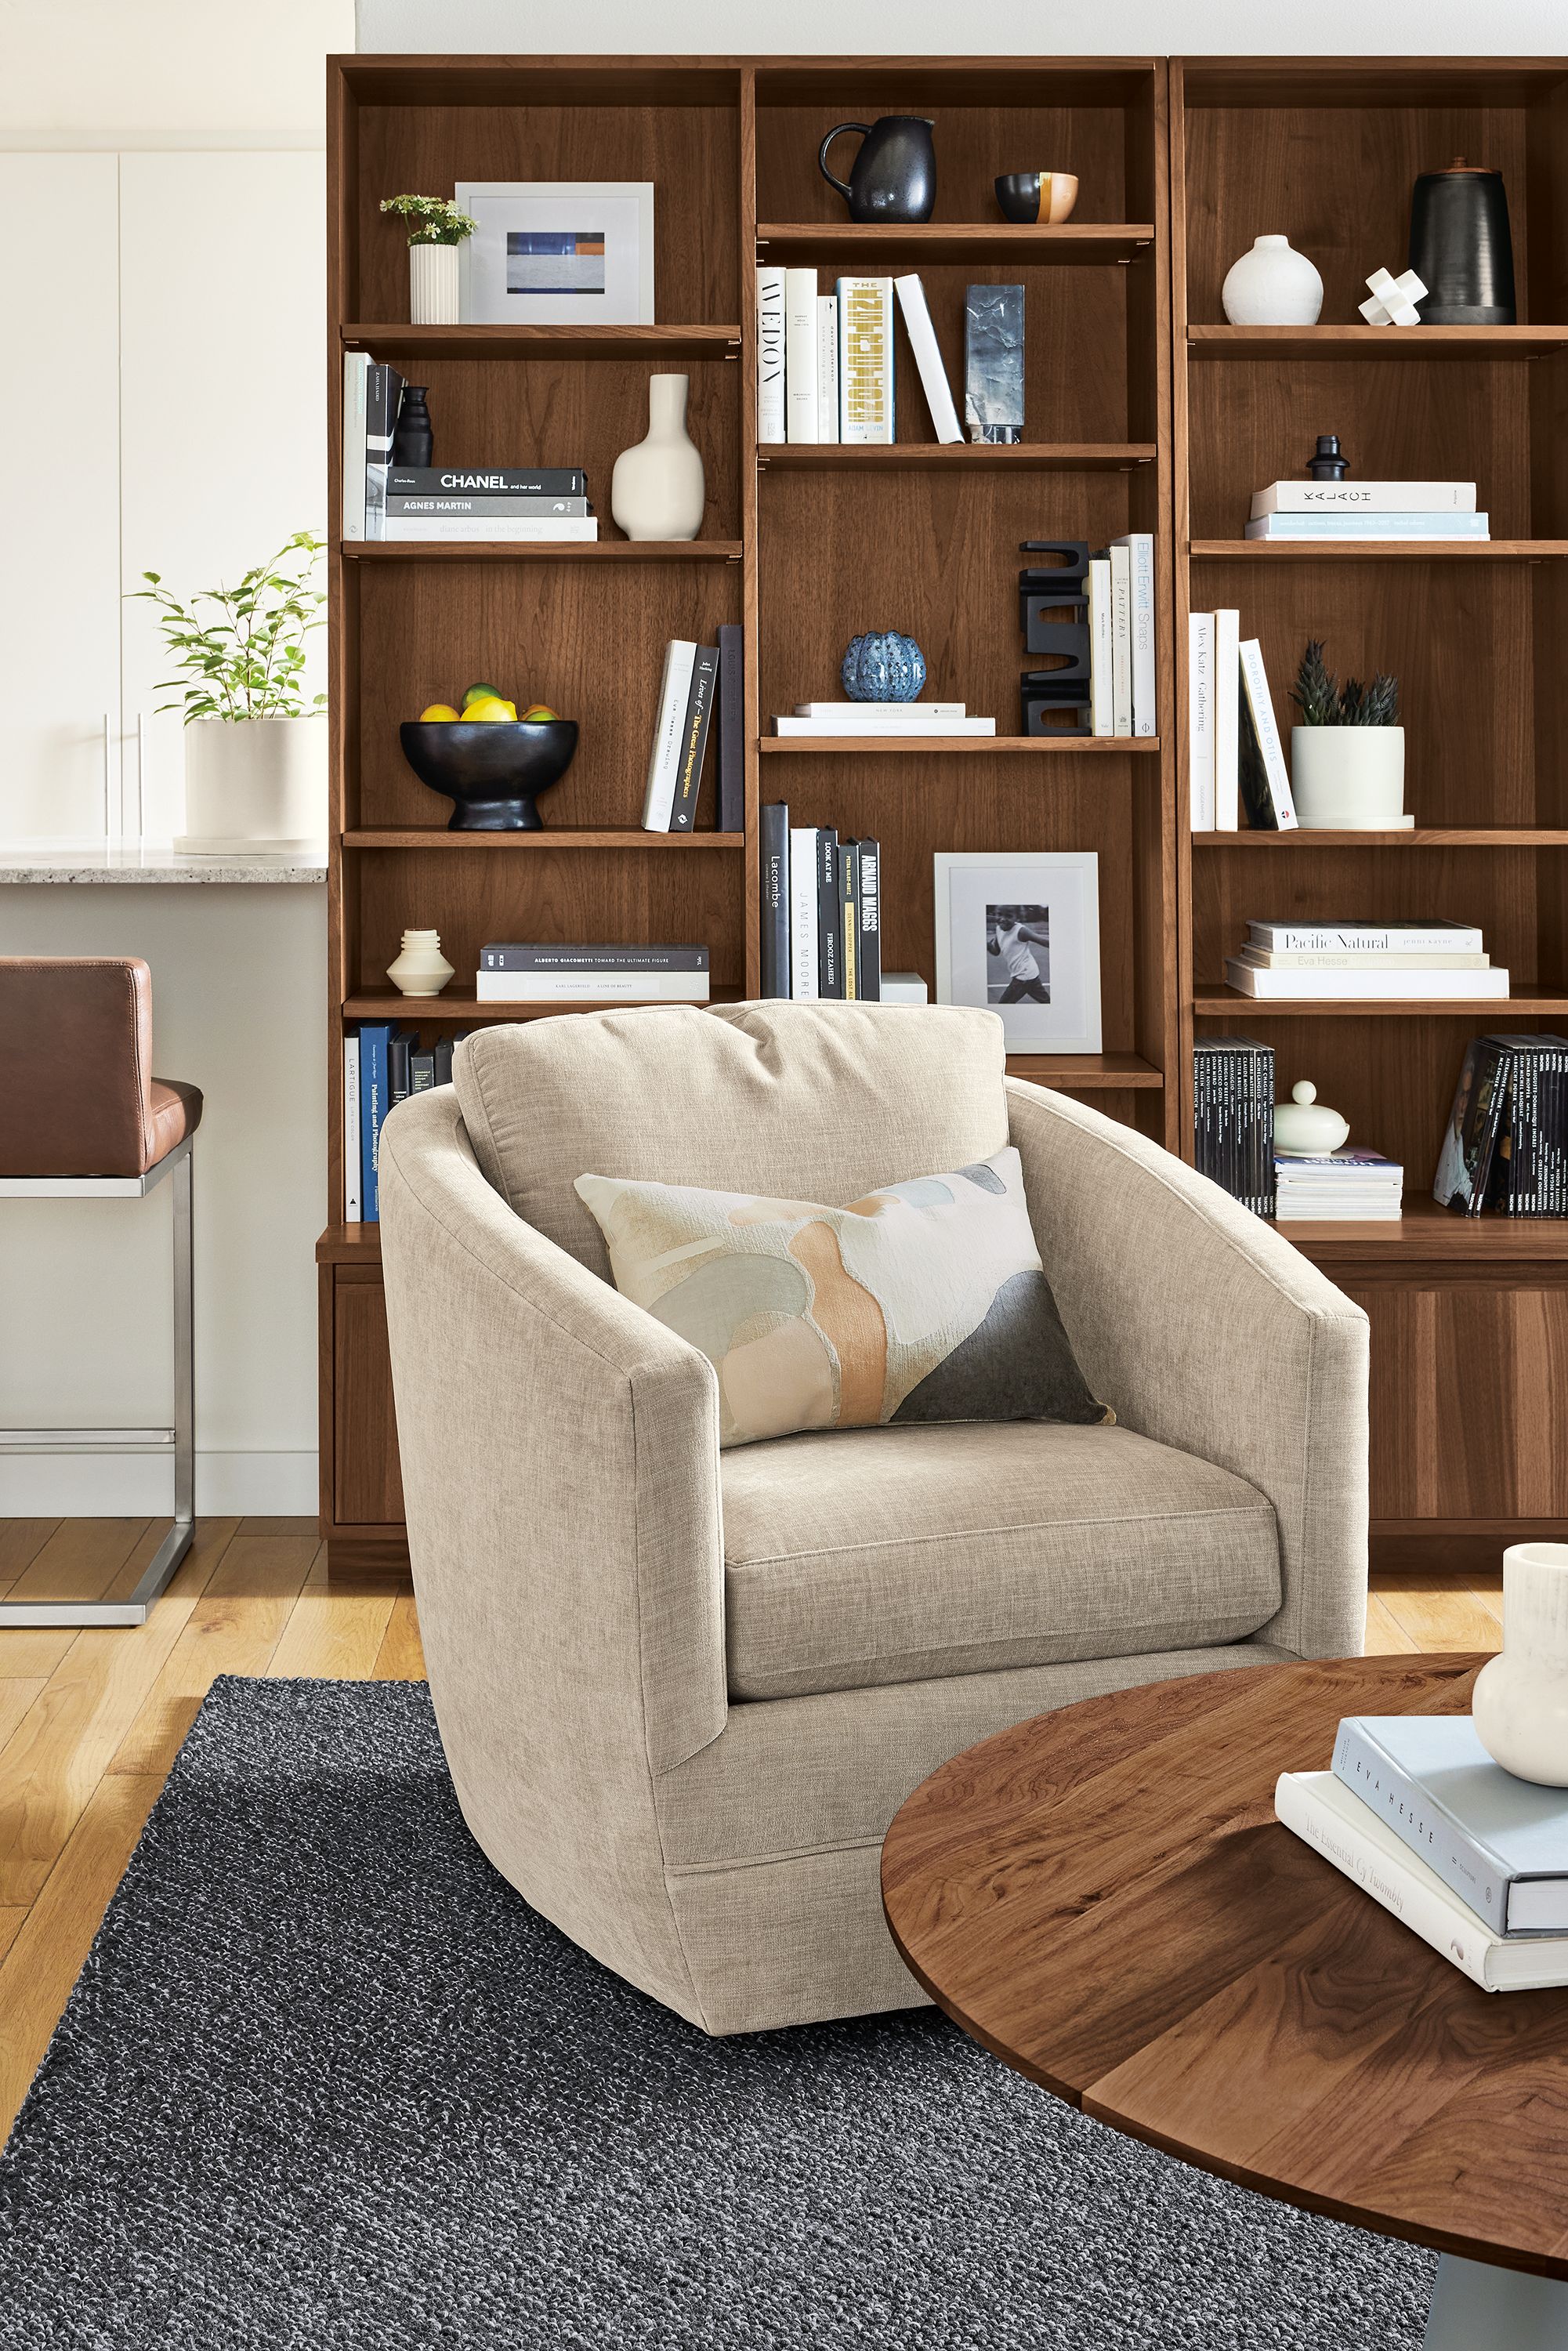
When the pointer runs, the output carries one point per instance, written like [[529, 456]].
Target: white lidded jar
[[420, 970], [1272, 286], [1519, 1703]]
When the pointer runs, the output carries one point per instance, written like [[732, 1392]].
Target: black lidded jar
[[1460, 247]]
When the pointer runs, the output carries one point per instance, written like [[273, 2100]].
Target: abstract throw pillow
[[924, 1302]]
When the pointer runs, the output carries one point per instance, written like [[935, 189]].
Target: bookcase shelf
[[534, 844], [460, 1004], [864, 246], [1432, 836], [397, 340], [1429, 1236], [1404, 345], [951, 745], [542, 551], [1074, 1072], [955, 457], [1214, 999], [1377, 550]]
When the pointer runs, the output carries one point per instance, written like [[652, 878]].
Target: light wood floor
[[90, 1722]]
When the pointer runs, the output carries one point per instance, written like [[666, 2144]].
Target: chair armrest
[[559, 1452], [1206, 1331]]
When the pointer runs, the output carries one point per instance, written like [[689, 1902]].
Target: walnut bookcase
[[1149, 414]]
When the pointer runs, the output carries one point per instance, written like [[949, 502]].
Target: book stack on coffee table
[[1473, 1860]]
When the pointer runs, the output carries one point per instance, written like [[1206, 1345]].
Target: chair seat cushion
[[174, 1112], [895, 1555]]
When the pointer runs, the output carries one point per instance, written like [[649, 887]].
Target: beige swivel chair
[[681, 1694]]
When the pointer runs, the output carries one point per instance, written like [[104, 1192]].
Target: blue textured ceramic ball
[[883, 666]]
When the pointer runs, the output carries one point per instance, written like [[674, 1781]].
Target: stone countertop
[[151, 861]]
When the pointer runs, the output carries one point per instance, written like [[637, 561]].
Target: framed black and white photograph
[[557, 253], [1019, 932]]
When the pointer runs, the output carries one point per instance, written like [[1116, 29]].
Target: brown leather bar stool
[[83, 1118]]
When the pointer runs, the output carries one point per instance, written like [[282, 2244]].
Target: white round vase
[[420, 970], [255, 787], [1519, 1703], [1349, 778], [657, 489], [432, 285], [1272, 286]]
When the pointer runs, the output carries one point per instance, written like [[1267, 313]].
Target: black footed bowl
[[494, 770]]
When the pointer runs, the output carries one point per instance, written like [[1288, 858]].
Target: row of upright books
[[386, 501], [1307, 510], [1233, 1144], [825, 367], [1421, 960], [821, 911], [1505, 1147], [1473, 1860], [382, 1064], [701, 694], [1237, 776]]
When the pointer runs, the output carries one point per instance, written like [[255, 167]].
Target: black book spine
[[732, 729], [421, 1071], [444, 1050], [694, 737], [1202, 1141], [595, 955], [400, 1085], [849, 909], [775, 866], [868, 966], [1553, 1115], [830, 914], [487, 481], [1263, 1062]]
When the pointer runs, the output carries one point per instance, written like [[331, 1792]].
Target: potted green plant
[[256, 748], [435, 230], [1347, 751]]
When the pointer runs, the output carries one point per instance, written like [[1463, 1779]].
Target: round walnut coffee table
[[1102, 1899]]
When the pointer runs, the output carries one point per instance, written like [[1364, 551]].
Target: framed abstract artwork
[[557, 253]]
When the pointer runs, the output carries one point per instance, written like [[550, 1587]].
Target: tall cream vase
[[1519, 1703], [657, 489], [432, 285]]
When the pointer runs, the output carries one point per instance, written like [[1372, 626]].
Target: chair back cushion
[[808, 1102], [81, 1096]]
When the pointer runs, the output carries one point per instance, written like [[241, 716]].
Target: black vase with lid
[[414, 437], [1460, 247]]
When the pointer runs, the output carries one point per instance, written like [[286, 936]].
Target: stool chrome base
[[180, 1440]]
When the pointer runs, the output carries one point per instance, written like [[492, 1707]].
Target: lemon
[[437, 710], [539, 711], [489, 707]]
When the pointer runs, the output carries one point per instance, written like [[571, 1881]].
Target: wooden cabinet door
[[367, 1482]]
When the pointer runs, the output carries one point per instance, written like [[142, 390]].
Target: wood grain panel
[[369, 1482]]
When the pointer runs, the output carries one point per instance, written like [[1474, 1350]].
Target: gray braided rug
[[327, 2084]]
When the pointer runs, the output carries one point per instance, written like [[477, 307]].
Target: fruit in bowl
[[491, 764]]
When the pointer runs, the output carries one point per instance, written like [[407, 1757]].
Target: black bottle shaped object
[[413, 435], [1328, 463], [1460, 247]]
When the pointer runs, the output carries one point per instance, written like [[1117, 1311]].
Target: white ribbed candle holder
[[1519, 1703], [432, 285]]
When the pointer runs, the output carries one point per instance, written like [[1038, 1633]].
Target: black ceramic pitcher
[[894, 176]]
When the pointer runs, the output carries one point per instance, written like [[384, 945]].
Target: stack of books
[[555, 974], [1424, 961], [1233, 1118], [1505, 1146], [381, 1065], [882, 719], [825, 360], [1325, 510], [1236, 759], [381, 500], [1352, 1185], [698, 682], [1475, 1862], [822, 913]]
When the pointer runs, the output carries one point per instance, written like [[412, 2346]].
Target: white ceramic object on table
[[657, 490], [1520, 1702], [420, 970], [1349, 778], [1305, 1128], [255, 786], [1272, 286], [433, 298]]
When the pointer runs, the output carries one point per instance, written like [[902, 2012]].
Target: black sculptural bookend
[[413, 435], [1461, 247], [1060, 587], [1328, 463], [894, 175]]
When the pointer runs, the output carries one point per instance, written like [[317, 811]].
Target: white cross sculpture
[[1393, 300]]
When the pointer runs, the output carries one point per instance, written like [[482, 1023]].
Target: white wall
[[129, 73], [1004, 27]]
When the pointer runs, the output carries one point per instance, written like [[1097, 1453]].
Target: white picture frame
[[1038, 965], [532, 261]]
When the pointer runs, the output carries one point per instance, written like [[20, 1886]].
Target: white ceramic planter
[[432, 285], [255, 787], [420, 970], [1272, 286], [1519, 1703], [1348, 778], [657, 488]]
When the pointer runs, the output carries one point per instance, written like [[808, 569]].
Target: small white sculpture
[[420, 970], [1393, 300], [1305, 1128]]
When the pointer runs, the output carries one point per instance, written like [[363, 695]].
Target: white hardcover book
[[529, 528], [1101, 649], [827, 367], [1121, 638], [1424, 987], [1226, 720], [1354, 960], [1140, 546], [800, 354], [929, 359], [803, 913], [858, 709], [1266, 733], [354, 1200], [1201, 720], [665, 757], [1332, 1819], [590, 987], [1353, 524], [770, 355], [1338, 497], [1329, 937], [891, 726], [865, 359], [356, 370]]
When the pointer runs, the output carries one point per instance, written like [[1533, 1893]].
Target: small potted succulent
[[1347, 751], [435, 230]]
